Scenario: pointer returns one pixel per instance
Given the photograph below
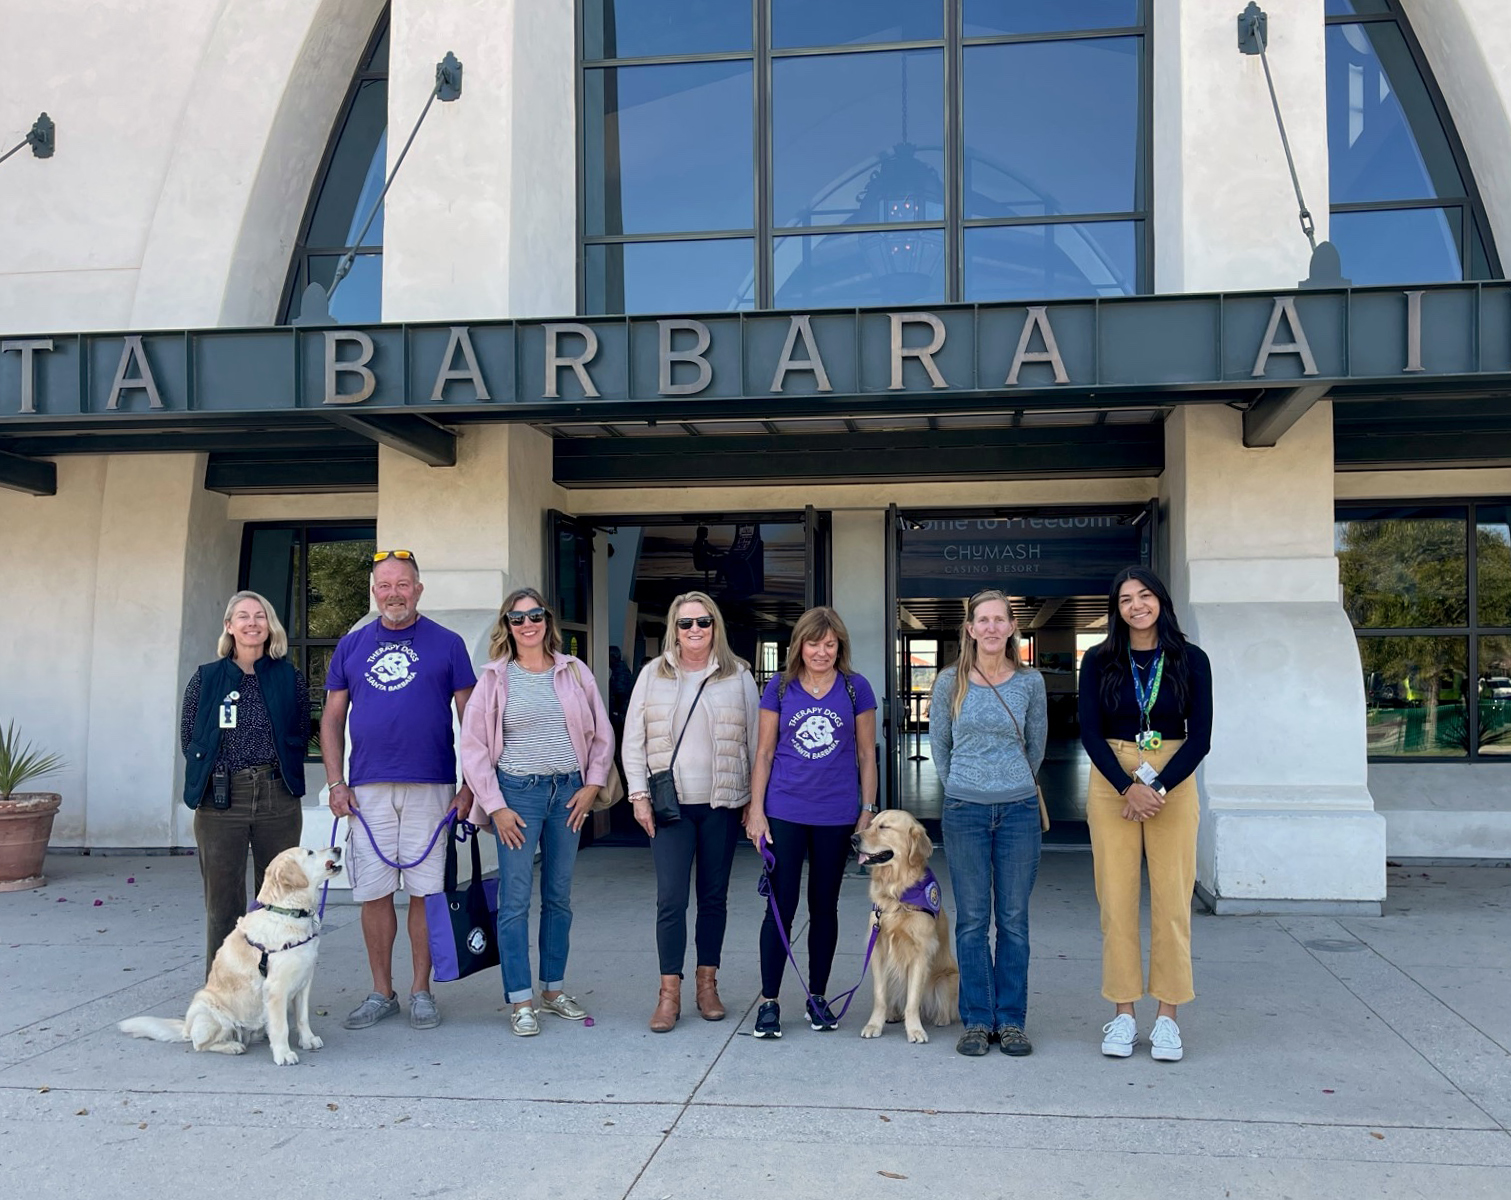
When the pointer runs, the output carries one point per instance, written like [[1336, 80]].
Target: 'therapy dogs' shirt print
[[814, 777], [401, 683]]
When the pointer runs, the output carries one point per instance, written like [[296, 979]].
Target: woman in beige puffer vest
[[701, 693]]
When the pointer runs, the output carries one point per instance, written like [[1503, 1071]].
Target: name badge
[[228, 711]]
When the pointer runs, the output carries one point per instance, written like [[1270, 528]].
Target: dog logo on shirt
[[390, 668], [814, 733]]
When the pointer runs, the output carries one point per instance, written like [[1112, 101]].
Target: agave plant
[[20, 762]]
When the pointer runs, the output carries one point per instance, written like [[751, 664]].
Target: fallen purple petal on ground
[[131, 879], [98, 903], [587, 1020]]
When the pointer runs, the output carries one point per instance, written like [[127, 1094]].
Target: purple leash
[[768, 860], [448, 819]]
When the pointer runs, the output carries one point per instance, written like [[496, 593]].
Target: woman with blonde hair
[[813, 787], [536, 748], [988, 725], [244, 732], [693, 712]]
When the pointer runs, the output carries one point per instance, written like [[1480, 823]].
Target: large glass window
[[1404, 209], [1428, 589], [746, 154], [348, 184], [316, 577]]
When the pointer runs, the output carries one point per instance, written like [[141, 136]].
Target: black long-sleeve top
[[1192, 721], [252, 742]]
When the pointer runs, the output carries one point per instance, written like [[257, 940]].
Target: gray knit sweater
[[978, 754]]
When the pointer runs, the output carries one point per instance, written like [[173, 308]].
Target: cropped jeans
[[993, 852], [543, 802]]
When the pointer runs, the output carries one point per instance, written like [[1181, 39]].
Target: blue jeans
[[542, 801], [993, 851]]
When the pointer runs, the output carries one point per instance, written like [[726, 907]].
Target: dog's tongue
[[862, 859]]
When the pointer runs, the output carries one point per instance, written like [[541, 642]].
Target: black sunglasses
[[534, 615], [700, 622]]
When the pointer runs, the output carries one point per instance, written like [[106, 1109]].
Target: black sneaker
[[974, 1042], [768, 1020], [1012, 1040], [820, 1016]]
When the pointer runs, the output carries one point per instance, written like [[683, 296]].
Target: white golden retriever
[[266, 964], [913, 973]]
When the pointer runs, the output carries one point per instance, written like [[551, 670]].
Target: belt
[[266, 770]]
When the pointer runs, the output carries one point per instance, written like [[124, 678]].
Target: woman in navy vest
[[245, 730]]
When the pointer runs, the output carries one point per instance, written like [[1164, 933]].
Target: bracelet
[[635, 796], [335, 783]]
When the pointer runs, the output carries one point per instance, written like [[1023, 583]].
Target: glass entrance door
[[1054, 565]]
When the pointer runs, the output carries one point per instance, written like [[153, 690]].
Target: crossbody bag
[[665, 807], [1043, 808]]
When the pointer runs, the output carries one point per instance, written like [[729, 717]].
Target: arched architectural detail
[[266, 93], [1404, 204], [1466, 44]]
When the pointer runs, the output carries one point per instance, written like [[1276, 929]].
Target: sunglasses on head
[[534, 615], [700, 622], [401, 555]]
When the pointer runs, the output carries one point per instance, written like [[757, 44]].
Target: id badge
[[228, 711]]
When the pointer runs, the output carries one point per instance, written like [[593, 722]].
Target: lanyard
[[1146, 690]]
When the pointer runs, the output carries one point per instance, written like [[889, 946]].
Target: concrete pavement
[[1359, 1057]]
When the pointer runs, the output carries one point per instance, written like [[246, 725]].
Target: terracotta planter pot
[[25, 825]]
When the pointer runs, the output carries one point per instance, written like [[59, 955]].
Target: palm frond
[[21, 762]]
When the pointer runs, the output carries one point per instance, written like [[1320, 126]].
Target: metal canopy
[[822, 380]]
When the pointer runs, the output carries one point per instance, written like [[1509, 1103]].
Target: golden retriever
[[266, 964], [913, 971]]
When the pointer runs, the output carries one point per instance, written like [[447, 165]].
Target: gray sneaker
[[423, 1014], [371, 1011]]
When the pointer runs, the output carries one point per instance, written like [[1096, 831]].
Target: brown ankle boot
[[668, 1004], [709, 1003]]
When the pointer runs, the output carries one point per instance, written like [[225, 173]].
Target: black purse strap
[[461, 833], [687, 722], [1014, 717]]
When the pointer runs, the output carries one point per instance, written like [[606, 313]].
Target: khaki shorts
[[402, 816]]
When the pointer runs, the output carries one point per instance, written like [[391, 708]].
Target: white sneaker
[[1164, 1041], [1120, 1036]]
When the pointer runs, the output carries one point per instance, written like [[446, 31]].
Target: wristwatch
[[870, 808]]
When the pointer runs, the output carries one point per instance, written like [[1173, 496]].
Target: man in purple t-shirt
[[400, 677]]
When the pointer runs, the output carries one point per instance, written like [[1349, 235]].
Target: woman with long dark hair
[[988, 727], [1146, 722]]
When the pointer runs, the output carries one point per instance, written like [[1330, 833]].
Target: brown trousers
[[264, 817], [1119, 848]]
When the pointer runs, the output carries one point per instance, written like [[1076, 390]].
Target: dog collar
[[923, 895], [299, 913]]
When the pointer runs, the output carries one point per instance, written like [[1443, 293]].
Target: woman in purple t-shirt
[[812, 785]]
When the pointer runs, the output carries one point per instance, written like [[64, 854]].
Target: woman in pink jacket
[[536, 747]]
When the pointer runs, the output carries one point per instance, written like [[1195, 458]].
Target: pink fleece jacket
[[483, 728]]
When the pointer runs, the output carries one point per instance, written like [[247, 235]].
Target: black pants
[[706, 836], [827, 849], [265, 818]]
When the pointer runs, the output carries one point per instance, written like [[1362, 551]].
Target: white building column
[[1287, 820]]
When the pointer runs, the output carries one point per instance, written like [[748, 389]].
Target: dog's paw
[[285, 1058], [872, 1030], [916, 1034], [310, 1042], [236, 1048]]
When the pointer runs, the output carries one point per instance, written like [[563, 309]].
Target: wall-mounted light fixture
[[43, 139], [315, 303], [1326, 266]]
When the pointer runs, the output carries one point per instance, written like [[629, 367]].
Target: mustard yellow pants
[[1119, 848]]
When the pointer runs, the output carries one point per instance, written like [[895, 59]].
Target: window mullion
[[764, 244]]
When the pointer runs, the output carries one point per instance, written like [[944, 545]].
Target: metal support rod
[[41, 138], [1253, 38], [448, 86]]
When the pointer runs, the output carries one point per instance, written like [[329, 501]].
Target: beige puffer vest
[[724, 700]]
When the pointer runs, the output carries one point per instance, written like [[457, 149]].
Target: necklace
[[816, 689]]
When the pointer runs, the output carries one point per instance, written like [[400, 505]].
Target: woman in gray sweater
[[987, 728]]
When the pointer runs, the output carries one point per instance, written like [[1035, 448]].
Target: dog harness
[[923, 896], [262, 963]]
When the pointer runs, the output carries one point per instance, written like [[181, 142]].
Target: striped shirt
[[536, 741]]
